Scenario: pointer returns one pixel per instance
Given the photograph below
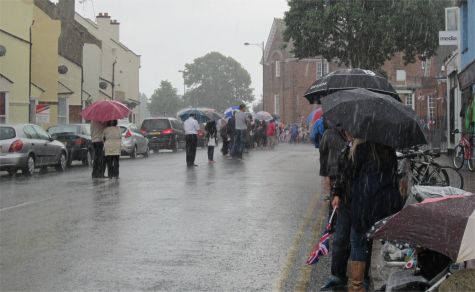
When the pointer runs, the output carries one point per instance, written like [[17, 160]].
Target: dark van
[[164, 133]]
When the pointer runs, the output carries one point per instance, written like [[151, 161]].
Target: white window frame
[[426, 67], [401, 75], [277, 68], [5, 116], [322, 68], [276, 104], [457, 18], [431, 106], [63, 119], [410, 100]]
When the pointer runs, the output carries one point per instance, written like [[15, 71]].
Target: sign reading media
[[448, 38]]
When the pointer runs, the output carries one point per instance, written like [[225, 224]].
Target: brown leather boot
[[355, 283]]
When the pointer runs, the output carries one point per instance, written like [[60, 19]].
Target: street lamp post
[[261, 45]]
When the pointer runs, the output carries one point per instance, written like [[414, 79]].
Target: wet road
[[234, 226]]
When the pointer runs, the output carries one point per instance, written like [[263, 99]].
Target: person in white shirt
[[191, 138]]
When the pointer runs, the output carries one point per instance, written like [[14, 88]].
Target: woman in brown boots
[[368, 182]]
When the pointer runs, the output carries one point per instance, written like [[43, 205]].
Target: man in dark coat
[[332, 145]]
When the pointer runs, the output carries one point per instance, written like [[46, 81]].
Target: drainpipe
[[113, 78], [29, 78]]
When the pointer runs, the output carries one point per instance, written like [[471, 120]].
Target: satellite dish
[[62, 69], [102, 85], [3, 51]]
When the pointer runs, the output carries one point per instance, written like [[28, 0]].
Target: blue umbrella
[[229, 112], [201, 115]]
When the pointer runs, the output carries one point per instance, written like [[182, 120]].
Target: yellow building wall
[[72, 79], [16, 17], [44, 61]]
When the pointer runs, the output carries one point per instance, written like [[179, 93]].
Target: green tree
[[364, 33], [164, 100], [216, 81]]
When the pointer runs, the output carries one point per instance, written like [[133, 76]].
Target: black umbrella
[[374, 117], [349, 79]]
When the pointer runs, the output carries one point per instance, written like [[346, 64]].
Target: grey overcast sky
[[169, 33]]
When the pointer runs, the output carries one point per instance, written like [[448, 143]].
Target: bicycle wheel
[[458, 157], [438, 177], [448, 176], [419, 173], [471, 160]]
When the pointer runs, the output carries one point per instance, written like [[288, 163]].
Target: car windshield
[[63, 129], [158, 124], [7, 133], [123, 129]]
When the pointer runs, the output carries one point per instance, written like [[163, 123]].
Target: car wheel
[[69, 161], [133, 154], [156, 150], [146, 153], [12, 171], [87, 161], [62, 162], [29, 169]]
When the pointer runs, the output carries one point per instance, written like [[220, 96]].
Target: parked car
[[133, 142], [77, 138], [27, 147], [164, 133]]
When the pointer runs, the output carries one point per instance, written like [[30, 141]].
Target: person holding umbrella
[[191, 139], [368, 182], [97, 129], [112, 142], [98, 113]]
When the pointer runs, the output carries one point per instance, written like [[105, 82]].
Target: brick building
[[287, 78], [421, 85]]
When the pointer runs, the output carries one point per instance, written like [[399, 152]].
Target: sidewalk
[[468, 177]]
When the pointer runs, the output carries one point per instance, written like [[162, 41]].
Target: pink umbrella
[[105, 110]]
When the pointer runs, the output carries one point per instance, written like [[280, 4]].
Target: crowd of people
[[238, 134]]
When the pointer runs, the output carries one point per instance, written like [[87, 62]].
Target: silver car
[[133, 142], [27, 147]]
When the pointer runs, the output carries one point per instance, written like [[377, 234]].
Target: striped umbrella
[[314, 116], [445, 225]]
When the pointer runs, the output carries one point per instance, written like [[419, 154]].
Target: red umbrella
[[314, 116], [445, 225], [105, 110]]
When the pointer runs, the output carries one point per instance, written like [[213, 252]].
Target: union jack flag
[[323, 246]]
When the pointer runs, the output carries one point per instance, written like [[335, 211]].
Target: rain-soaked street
[[234, 225]]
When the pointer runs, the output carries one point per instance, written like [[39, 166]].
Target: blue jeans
[[360, 247], [238, 146], [341, 242]]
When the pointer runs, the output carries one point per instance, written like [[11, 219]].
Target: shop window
[[62, 110]]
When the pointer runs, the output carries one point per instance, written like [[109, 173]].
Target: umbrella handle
[[333, 214]]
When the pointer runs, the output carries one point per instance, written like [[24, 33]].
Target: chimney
[[106, 27], [114, 29], [66, 9]]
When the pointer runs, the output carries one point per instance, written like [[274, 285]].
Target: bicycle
[[425, 171], [465, 150]]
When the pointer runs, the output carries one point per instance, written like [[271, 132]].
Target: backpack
[[317, 132]]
